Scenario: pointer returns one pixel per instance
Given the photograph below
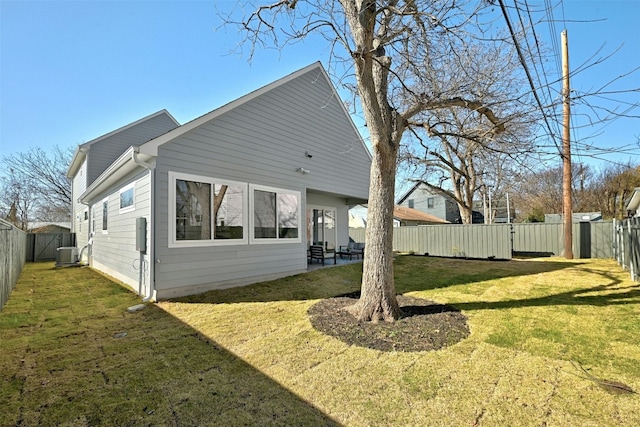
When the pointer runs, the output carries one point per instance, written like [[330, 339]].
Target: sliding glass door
[[321, 226]]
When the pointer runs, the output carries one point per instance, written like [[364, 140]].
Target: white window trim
[[92, 228], [133, 205], [173, 243], [252, 239], [105, 200]]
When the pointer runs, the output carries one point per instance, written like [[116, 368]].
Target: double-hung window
[[205, 211], [127, 198], [105, 215], [275, 215]]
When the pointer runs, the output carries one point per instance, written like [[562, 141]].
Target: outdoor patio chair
[[352, 249], [318, 253]]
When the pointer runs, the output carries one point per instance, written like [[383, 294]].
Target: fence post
[[632, 250]]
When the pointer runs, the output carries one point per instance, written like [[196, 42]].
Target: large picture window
[[193, 210], [206, 211], [275, 214]]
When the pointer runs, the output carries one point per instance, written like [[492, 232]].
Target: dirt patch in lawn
[[423, 326]]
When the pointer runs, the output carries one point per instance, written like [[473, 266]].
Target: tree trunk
[[466, 214], [378, 295]]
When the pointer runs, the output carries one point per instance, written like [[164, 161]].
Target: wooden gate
[[44, 246]]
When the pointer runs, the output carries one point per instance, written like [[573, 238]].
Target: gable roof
[[426, 189], [151, 147], [49, 227], [409, 214], [145, 154], [81, 151], [408, 193]]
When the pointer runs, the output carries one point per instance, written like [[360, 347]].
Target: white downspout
[[90, 233], [152, 172]]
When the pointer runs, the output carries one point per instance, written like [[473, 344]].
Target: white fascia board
[[634, 203], [119, 169], [76, 161]]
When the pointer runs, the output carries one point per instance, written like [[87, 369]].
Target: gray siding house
[[94, 157], [231, 198], [421, 198]]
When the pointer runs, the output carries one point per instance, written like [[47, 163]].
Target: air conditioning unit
[[66, 256]]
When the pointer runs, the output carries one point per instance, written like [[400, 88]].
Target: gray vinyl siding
[[115, 251], [262, 141], [79, 225], [265, 141], [103, 153]]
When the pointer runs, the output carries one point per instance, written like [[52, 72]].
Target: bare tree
[[17, 198], [612, 188], [463, 155], [35, 181], [539, 191], [387, 46]]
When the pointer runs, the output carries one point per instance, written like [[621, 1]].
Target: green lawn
[[71, 354]]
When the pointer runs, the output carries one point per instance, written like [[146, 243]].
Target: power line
[[546, 86], [527, 72]]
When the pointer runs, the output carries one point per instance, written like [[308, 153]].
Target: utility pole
[[566, 151], [490, 209]]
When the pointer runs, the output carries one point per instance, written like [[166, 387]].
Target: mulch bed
[[423, 326]]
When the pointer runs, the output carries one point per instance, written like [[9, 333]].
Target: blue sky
[[71, 71]]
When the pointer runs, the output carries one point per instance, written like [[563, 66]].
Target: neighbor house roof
[[409, 214], [408, 193], [575, 217], [42, 225], [414, 188]]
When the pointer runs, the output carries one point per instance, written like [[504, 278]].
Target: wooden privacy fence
[[501, 241], [44, 246], [13, 242]]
